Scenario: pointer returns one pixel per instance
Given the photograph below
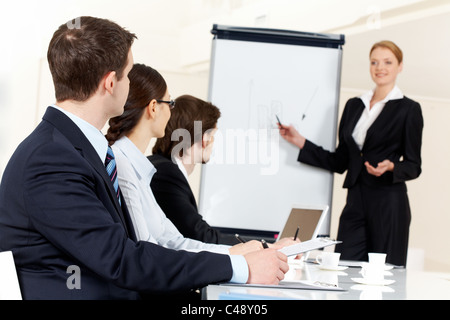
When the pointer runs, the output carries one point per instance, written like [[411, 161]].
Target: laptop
[[309, 219]]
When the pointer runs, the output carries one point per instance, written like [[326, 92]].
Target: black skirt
[[375, 219]]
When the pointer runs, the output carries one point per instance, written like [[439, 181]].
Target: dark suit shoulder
[[409, 101], [354, 100], [410, 104], [354, 103], [158, 159], [407, 108], [166, 168], [161, 162]]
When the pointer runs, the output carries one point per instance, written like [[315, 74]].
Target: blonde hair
[[391, 46]]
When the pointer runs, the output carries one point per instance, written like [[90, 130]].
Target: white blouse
[[370, 115]]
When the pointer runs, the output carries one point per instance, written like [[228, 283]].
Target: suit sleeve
[[69, 209], [410, 167], [332, 161]]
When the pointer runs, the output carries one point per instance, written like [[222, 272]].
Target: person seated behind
[[170, 183]]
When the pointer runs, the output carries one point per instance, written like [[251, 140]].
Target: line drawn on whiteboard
[[309, 103]]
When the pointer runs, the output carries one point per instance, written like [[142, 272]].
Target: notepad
[[308, 245], [291, 284]]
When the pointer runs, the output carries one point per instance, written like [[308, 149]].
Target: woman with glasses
[[380, 138], [145, 116]]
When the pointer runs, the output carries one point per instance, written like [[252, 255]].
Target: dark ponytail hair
[[146, 84]]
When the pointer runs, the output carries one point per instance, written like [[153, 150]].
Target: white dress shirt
[[135, 172], [369, 115], [180, 165], [95, 136]]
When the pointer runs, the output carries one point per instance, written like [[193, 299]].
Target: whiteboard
[[253, 177]]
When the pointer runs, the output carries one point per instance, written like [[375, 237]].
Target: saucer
[[385, 273], [384, 282], [362, 287], [332, 268]]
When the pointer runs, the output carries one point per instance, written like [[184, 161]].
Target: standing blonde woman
[[380, 138]]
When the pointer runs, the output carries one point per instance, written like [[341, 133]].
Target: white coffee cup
[[377, 258], [329, 259], [373, 272]]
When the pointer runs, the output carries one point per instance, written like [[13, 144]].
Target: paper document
[[291, 284], [306, 246]]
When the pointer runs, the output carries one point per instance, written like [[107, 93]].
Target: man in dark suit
[[61, 214]]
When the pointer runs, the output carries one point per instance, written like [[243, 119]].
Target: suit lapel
[[383, 118], [71, 131]]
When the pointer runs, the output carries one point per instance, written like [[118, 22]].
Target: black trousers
[[375, 219]]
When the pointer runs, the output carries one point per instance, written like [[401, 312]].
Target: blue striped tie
[[110, 164]]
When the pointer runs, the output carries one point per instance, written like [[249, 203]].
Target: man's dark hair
[[80, 55]]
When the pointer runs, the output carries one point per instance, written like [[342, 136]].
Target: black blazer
[[175, 197], [58, 209], [395, 135]]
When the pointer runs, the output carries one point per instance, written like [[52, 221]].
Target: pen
[[296, 233], [239, 238], [278, 119], [264, 244]]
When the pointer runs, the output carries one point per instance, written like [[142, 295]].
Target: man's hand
[[284, 242], [266, 266], [244, 248]]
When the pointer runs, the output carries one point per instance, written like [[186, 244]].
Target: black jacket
[[395, 135], [175, 197]]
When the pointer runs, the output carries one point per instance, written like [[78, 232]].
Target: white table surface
[[408, 285]]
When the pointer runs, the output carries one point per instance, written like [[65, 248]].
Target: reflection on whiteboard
[[253, 177]]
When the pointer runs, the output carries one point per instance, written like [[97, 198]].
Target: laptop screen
[[307, 219]]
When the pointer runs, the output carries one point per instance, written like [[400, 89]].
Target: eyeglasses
[[171, 103]]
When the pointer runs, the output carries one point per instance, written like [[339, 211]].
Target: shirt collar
[[394, 94], [95, 136], [181, 167], [143, 167]]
